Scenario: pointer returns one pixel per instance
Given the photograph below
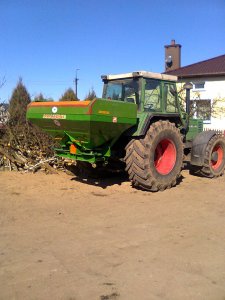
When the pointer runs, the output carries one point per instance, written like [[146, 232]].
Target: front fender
[[199, 145]]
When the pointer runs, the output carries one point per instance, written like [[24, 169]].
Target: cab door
[[170, 97]]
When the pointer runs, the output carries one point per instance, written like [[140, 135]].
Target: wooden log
[[10, 157]]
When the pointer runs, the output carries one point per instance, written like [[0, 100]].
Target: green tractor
[[138, 124]]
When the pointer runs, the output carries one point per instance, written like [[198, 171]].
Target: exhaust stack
[[188, 86]]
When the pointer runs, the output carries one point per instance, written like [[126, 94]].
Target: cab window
[[126, 90], [152, 95], [170, 97]]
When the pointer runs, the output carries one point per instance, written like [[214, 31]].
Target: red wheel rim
[[165, 156], [219, 151]]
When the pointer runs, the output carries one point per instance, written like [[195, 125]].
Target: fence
[[218, 131]]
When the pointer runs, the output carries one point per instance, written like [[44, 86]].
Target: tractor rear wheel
[[154, 163], [214, 158]]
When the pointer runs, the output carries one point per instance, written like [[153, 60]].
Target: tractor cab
[[152, 92]]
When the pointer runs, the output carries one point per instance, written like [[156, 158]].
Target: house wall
[[213, 90]]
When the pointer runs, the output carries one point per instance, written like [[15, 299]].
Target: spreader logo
[[54, 109], [54, 117]]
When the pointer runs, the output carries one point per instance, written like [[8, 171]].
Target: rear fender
[[149, 119], [199, 145]]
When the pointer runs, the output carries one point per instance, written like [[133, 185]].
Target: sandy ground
[[61, 238]]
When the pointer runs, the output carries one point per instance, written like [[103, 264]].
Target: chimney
[[172, 56]]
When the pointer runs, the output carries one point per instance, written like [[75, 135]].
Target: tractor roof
[[144, 74]]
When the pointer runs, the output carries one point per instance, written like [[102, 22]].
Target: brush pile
[[23, 146], [26, 148]]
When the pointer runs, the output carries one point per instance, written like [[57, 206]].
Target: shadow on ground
[[105, 182], [110, 179]]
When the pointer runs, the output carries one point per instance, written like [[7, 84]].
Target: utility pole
[[76, 82]]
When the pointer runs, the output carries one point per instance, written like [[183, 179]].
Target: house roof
[[206, 68]]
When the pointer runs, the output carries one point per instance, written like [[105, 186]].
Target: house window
[[201, 109], [199, 85]]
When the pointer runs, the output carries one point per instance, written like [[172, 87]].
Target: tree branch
[[2, 82]]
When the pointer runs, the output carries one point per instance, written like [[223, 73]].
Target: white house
[[208, 79]]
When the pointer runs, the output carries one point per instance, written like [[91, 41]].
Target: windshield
[[122, 90]]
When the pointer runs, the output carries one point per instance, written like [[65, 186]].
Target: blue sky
[[45, 41]]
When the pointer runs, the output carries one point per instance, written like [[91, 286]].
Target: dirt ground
[[61, 238]]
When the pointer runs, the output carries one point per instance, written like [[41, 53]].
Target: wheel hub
[[165, 156], [217, 157]]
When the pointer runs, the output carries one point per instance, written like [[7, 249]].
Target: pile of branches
[[24, 147]]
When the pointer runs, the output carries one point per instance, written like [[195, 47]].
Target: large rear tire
[[154, 163], [214, 158]]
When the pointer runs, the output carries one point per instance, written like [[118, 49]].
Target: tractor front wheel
[[154, 163], [214, 158]]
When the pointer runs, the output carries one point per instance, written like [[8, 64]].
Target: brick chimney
[[172, 56]]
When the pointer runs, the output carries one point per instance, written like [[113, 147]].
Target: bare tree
[[205, 107], [69, 95], [2, 81], [218, 108], [91, 95]]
